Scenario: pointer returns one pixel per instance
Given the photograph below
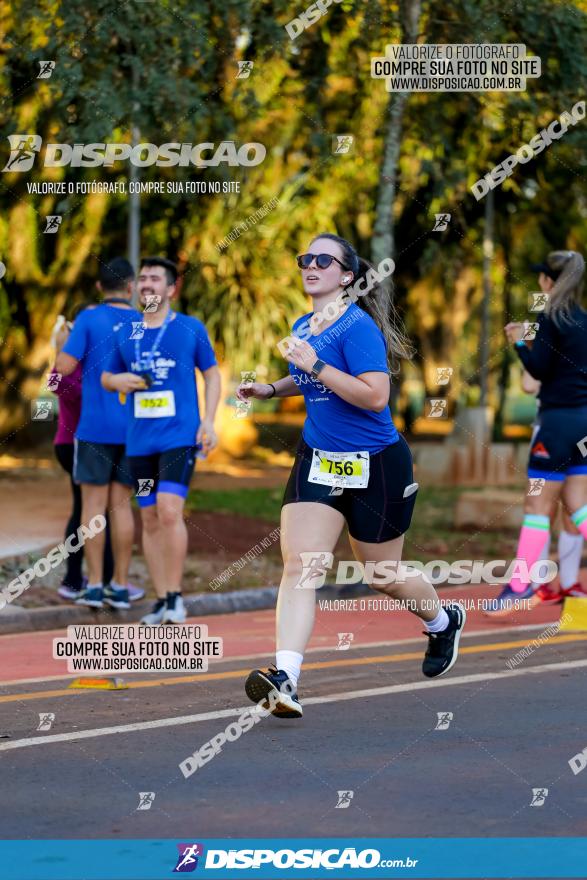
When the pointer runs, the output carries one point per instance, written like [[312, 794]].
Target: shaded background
[[167, 71]]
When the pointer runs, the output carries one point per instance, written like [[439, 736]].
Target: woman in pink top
[[69, 391]]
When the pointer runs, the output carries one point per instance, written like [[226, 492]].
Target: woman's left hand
[[301, 354], [514, 331]]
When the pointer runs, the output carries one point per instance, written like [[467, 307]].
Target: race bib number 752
[[154, 404]]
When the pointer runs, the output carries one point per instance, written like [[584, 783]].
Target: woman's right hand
[[60, 333], [126, 383], [258, 390]]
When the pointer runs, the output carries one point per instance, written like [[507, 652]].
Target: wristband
[[274, 390]]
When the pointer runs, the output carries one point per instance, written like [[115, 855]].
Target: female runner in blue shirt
[[351, 466]]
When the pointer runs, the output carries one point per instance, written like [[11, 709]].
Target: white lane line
[[329, 698], [313, 650]]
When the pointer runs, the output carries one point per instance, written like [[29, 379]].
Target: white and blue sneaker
[[135, 593], [155, 615], [116, 597], [92, 597], [175, 609], [274, 691]]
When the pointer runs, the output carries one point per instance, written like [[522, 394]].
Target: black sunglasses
[[323, 261]]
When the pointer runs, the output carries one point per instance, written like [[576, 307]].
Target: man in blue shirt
[[100, 465], [154, 365]]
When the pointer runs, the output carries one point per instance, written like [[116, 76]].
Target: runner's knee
[[168, 514], [292, 563], [150, 519]]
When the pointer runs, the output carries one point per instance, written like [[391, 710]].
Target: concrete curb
[[16, 619]]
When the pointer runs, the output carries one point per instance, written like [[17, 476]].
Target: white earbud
[[345, 280]]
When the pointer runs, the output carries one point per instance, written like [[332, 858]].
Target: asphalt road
[[369, 728]]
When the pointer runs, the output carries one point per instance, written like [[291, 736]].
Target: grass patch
[[257, 503], [431, 535]]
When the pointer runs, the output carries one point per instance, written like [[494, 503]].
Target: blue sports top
[[92, 341], [355, 345], [167, 415]]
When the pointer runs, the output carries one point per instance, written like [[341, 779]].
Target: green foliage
[[170, 69]]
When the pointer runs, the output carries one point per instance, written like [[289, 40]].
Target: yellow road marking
[[325, 664]]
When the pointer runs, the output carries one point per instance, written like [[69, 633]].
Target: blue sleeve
[[538, 359], [205, 357], [364, 348], [78, 340], [115, 363]]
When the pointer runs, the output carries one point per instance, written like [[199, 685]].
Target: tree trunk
[[383, 241], [506, 352], [488, 252], [134, 199]]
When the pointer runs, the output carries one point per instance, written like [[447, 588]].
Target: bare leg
[[153, 540], [94, 501], [420, 596], [312, 528], [575, 493], [174, 538], [122, 530], [545, 503]]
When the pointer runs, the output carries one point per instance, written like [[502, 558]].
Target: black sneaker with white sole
[[443, 647], [274, 691]]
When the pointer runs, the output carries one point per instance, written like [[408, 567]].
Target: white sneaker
[[175, 611], [155, 615]]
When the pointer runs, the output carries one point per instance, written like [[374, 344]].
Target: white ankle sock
[[290, 662], [439, 623], [570, 548]]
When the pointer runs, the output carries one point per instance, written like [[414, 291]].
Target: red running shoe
[[548, 595], [577, 591]]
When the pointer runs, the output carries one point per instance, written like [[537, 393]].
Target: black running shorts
[[559, 444], [169, 471], [375, 514], [100, 463]]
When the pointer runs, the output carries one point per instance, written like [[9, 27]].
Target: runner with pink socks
[[557, 357]]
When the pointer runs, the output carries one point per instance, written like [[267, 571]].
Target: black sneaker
[[443, 647], [274, 691]]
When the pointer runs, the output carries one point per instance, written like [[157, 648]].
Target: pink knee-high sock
[[579, 517], [533, 536]]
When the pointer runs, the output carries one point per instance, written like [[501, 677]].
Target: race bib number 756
[[347, 469]]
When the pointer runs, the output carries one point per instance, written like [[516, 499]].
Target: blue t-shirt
[[91, 341], [355, 345], [183, 346]]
